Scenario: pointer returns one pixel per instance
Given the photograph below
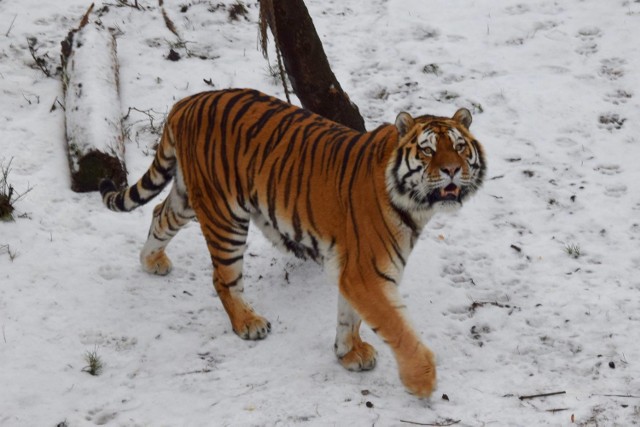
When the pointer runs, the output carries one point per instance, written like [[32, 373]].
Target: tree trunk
[[306, 63], [92, 107]]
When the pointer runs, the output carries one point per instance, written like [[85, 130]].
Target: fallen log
[[93, 119]]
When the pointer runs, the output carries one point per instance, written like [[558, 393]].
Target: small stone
[[173, 55]]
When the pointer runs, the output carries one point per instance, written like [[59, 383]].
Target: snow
[[553, 90]]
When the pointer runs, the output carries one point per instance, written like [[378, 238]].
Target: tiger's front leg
[[353, 353], [380, 306]]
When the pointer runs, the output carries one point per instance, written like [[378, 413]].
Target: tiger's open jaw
[[448, 194]]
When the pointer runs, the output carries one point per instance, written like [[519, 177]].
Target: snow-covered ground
[[554, 88]]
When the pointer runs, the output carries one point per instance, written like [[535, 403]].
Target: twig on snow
[[85, 18], [618, 395], [10, 26], [40, 61], [169, 23], [153, 125], [53, 106], [125, 3], [12, 255], [534, 396], [443, 423]]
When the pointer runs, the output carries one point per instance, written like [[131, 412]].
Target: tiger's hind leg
[[225, 231], [353, 353], [168, 218]]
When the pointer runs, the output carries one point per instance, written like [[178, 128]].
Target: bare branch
[[443, 423], [619, 395], [40, 61], [535, 396], [10, 26], [85, 18]]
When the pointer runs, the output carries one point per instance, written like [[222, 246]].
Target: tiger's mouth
[[449, 193]]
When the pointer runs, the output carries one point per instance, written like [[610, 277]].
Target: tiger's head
[[438, 163]]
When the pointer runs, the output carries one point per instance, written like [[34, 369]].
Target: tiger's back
[[293, 172], [353, 201]]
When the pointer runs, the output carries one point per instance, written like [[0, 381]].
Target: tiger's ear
[[463, 116], [404, 123]]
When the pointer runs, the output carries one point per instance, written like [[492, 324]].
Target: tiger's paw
[[252, 327], [362, 357], [418, 372], [156, 263]]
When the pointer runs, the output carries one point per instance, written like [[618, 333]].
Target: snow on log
[[92, 107]]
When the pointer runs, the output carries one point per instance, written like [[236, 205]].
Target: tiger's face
[[439, 163]]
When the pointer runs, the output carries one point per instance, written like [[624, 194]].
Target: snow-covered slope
[[554, 91]]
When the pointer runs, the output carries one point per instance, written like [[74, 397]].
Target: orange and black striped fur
[[356, 202]]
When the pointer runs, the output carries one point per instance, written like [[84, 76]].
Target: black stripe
[[222, 125], [107, 186], [365, 145], [223, 239], [382, 274], [405, 156], [134, 195], [241, 112], [390, 236], [315, 248], [276, 137], [213, 186], [406, 218], [297, 227], [271, 198], [345, 157], [288, 185], [221, 248], [225, 261], [232, 283], [148, 184], [118, 201], [259, 124]]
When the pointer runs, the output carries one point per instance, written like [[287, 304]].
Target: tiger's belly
[[301, 242]]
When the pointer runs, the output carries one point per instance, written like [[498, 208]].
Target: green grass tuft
[[572, 250], [8, 195], [94, 363]]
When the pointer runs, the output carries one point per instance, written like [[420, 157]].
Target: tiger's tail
[[150, 185]]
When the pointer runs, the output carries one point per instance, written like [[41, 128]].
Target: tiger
[[355, 202]]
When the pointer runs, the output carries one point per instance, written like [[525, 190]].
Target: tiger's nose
[[451, 171]]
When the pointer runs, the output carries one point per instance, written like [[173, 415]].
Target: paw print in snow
[[612, 68], [608, 169], [619, 96], [616, 191], [611, 121], [589, 33]]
